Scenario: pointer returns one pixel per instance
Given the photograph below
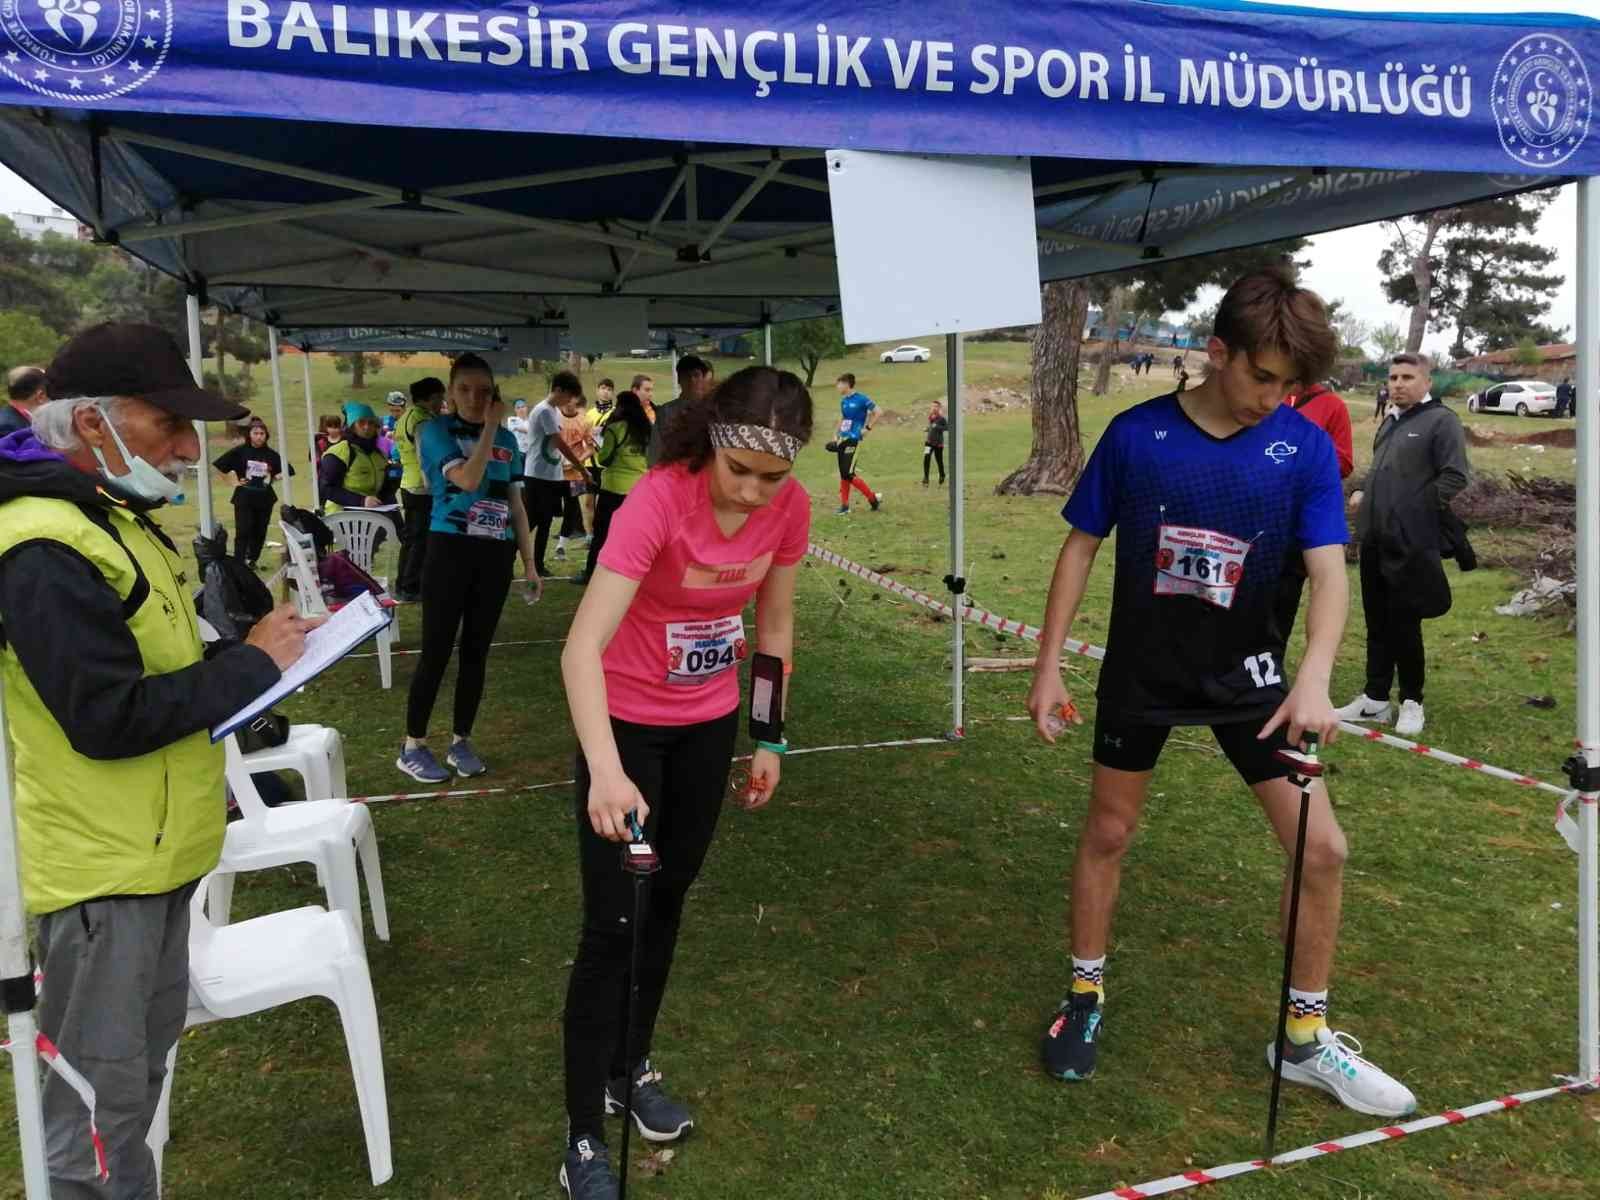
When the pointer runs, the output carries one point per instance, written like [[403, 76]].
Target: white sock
[[457, 737], [414, 743]]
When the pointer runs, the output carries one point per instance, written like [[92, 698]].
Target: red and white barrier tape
[[1388, 1133], [70, 1076], [1031, 633], [492, 646], [539, 787]]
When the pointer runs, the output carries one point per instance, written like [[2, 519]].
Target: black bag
[[308, 523], [232, 597], [264, 732]]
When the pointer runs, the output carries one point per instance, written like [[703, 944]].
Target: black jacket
[[1419, 463], [66, 625]]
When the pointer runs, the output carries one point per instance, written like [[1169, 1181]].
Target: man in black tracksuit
[[1419, 462]]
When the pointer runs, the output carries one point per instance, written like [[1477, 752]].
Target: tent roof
[[483, 193]]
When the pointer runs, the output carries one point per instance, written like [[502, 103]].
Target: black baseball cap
[[126, 359]]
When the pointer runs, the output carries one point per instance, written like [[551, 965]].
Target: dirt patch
[[1566, 438]]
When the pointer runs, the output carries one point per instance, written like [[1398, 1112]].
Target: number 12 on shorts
[[1263, 669]]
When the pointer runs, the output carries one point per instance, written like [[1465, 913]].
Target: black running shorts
[[1128, 746]]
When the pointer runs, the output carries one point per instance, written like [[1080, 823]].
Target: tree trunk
[[358, 371], [1112, 320], [222, 374], [1056, 460], [1422, 274]]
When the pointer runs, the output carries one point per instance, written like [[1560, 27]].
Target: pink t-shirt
[[675, 658]]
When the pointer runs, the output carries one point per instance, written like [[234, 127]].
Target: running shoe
[[421, 765], [561, 552], [464, 759], [1334, 1064], [581, 578], [877, 501], [1365, 708], [842, 511], [586, 1172], [659, 1118], [1409, 723], [1069, 1045]]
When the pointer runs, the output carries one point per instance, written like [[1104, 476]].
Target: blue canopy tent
[[472, 163]]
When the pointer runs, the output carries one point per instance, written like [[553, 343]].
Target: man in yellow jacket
[[117, 787]]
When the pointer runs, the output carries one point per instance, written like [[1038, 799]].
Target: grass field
[[866, 966]]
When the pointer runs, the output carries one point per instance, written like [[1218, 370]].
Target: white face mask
[[142, 480]]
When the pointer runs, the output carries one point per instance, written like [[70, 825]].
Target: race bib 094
[[1199, 562], [699, 651]]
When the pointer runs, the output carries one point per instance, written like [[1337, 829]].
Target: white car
[[906, 354], [1521, 396]]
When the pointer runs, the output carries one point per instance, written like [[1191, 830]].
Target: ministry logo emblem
[[1541, 98], [83, 50]]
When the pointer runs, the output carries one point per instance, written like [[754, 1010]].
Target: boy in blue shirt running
[[858, 414]]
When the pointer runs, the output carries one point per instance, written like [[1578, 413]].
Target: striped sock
[[1089, 975], [1308, 1012]]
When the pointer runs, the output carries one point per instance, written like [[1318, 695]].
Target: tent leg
[[203, 487], [1588, 384], [311, 432], [277, 409], [674, 370], [955, 363], [766, 332], [16, 978]]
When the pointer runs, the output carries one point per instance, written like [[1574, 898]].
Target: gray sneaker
[[659, 1118], [464, 759], [421, 765], [586, 1172]]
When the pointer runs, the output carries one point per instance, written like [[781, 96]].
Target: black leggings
[[605, 505], [464, 585], [847, 459], [571, 515], [544, 499], [936, 453], [682, 772], [251, 519]]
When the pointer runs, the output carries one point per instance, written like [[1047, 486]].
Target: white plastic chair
[[236, 970], [314, 752], [355, 531], [329, 833], [310, 603]]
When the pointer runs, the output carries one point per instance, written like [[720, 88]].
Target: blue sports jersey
[[1203, 525], [854, 409], [486, 511]]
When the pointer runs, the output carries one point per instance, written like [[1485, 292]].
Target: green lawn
[[868, 964]]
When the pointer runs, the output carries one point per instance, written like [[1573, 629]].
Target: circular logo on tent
[[1541, 100], [88, 50]]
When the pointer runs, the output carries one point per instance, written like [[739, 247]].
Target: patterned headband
[[755, 437]]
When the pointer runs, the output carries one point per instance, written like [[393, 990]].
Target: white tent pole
[[1588, 601], [766, 333], [311, 432], [203, 487], [282, 430], [955, 363], [16, 977], [674, 370]]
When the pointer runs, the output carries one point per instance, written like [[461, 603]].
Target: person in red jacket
[[1325, 409]]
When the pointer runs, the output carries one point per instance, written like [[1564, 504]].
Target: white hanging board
[[599, 325], [932, 245], [540, 343]]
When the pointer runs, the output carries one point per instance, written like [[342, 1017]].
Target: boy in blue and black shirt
[[857, 415]]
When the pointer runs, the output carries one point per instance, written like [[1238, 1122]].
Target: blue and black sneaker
[[658, 1116], [1068, 1047], [586, 1171], [464, 759], [421, 765]]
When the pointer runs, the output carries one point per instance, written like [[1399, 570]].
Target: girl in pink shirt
[[651, 668]]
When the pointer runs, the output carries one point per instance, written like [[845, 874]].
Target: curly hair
[[753, 396]]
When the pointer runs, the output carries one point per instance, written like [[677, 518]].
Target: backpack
[[342, 579], [308, 523], [231, 597]]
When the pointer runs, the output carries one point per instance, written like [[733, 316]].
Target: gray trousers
[[116, 989]]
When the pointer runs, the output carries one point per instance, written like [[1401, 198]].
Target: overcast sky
[[1343, 264]]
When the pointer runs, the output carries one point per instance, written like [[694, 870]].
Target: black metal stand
[[639, 861]]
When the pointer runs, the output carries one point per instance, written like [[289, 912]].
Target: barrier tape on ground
[[85, 1090], [492, 646], [1564, 823], [539, 787], [1372, 1137]]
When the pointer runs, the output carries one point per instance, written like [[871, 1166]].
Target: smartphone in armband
[[766, 698]]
